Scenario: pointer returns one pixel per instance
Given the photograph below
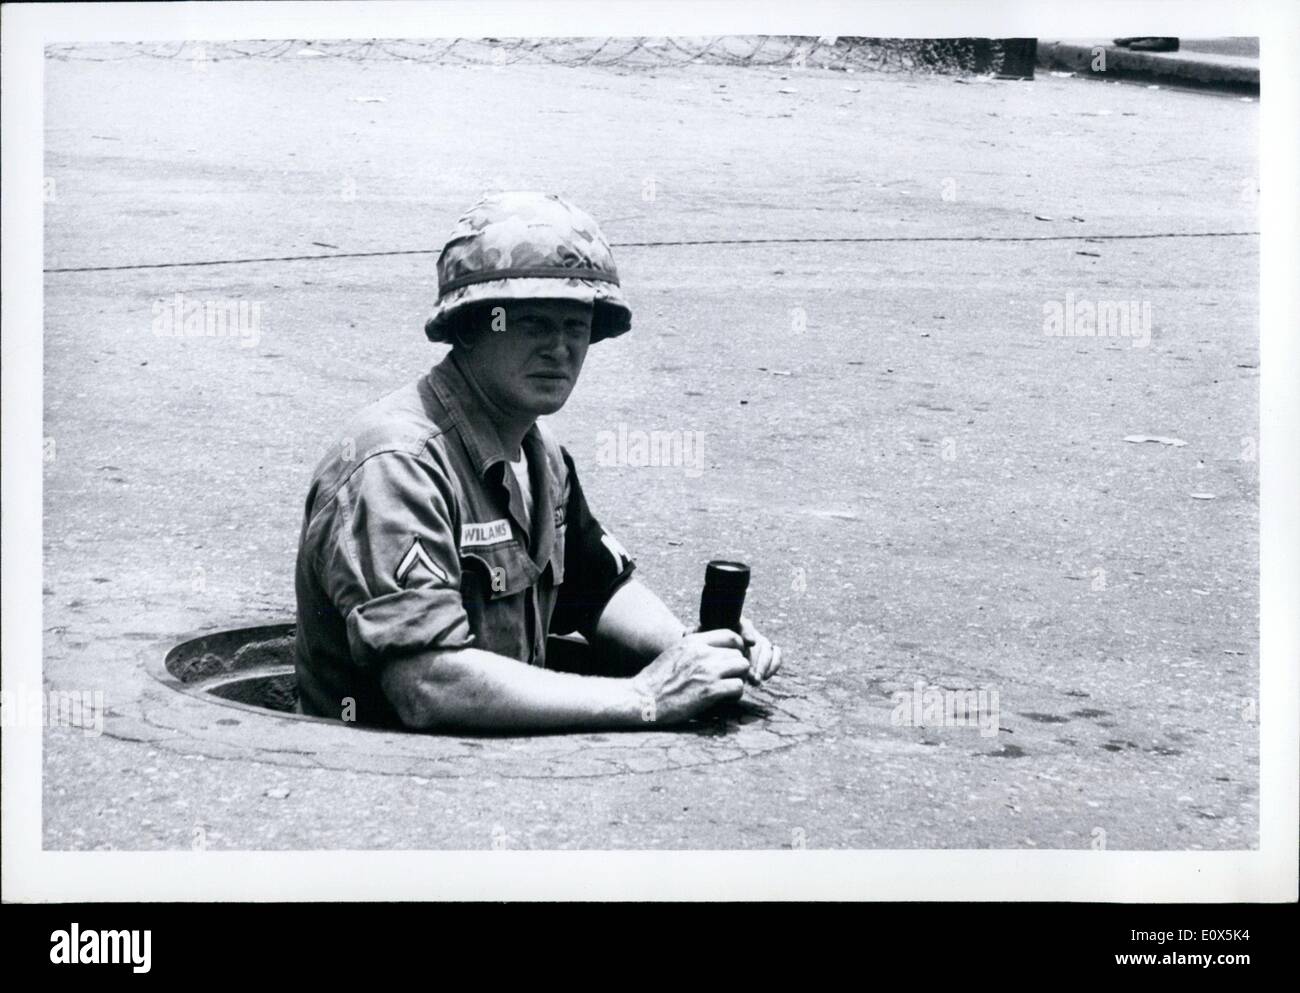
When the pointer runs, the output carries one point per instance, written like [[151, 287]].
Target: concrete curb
[[1232, 73]]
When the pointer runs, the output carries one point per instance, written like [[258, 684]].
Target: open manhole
[[271, 691], [254, 667], [249, 667], [249, 673]]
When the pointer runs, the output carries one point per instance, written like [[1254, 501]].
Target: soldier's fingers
[[748, 631], [721, 638], [775, 662], [725, 665], [760, 656], [729, 689]]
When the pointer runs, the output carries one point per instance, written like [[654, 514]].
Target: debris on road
[[1137, 439]]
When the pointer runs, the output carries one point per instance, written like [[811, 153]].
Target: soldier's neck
[[510, 425], [512, 436]]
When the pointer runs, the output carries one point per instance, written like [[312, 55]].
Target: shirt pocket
[[494, 573]]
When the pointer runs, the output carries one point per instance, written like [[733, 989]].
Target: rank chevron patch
[[418, 557]]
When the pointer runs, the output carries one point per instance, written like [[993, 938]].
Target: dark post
[[1018, 57]]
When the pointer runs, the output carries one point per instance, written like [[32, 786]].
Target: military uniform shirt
[[414, 538], [524, 477]]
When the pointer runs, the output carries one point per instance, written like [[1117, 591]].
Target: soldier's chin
[[546, 396]]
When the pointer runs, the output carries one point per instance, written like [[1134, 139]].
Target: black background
[[418, 944]]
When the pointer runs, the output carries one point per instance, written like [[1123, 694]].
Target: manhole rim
[[155, 663], [155, 660]]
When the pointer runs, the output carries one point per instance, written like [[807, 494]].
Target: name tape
[[491, 533]]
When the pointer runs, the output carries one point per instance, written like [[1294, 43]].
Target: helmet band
[[544, 272]]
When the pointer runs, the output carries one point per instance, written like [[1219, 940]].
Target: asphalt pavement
[[929, 487]]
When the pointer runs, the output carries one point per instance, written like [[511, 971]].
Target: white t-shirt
[[524, 477]]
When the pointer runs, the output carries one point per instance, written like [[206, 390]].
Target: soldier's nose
[[555, 346]]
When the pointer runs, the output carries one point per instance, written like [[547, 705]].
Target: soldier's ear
[[468, 328]]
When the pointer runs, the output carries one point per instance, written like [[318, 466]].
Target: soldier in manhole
[[446, 536]]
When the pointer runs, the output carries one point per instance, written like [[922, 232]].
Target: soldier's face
[[529, 357]]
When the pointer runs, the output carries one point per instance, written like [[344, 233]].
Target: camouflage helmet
[[527, 246]]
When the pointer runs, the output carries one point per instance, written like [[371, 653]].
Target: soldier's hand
[[764, 657], [700, 671]]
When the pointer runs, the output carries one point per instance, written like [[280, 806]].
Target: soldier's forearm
[[638, 624], [472, 688]]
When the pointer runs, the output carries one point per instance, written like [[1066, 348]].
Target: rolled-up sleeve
[[595, 564], [389, 562]]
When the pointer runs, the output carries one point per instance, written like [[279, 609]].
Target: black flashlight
[[723, 597]]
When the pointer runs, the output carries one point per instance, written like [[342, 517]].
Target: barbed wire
[[936, 55]]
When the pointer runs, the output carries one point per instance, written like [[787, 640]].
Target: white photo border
[[31, 874]]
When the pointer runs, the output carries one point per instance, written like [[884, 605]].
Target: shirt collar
[[457, 395]]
